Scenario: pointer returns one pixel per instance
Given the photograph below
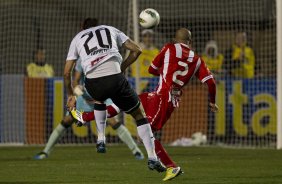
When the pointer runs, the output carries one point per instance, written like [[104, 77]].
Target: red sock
[[89, 116], [163, 156]]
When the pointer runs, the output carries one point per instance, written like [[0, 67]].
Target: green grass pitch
[[81, 164]]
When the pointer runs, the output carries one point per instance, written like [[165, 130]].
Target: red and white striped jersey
[[176, 64]]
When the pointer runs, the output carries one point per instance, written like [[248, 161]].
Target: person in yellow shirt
[[242, 58], [149, 52], [39, 68], [213, 59]]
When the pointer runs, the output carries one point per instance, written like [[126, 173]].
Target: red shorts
[[157, 108]]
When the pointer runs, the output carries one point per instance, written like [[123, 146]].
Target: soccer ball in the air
[[149, 18]]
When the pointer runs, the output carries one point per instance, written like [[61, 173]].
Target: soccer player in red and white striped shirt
[[175, 65]]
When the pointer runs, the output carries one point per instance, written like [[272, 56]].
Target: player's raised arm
[[135, 51]]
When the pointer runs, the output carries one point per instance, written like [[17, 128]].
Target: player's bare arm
[[67, 80], [212, 92], [77, 88], [135, 51], [76, 78]]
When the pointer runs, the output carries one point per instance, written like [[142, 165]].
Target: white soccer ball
[[149, 18]]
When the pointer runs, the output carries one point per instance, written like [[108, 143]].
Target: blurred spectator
[[213, 58], [149, 51], [242, 58], [39, 68]]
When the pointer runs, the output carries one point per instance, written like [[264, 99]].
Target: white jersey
[[98, 49]]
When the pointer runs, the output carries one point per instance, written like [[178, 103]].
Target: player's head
[[241, 39], [88, 23], [183, 35]]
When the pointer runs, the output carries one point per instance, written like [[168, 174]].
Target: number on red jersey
[[177, 64]]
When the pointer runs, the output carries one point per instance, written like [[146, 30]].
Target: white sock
[[125, 136], [146, 134], [57, 133], [101, 118]]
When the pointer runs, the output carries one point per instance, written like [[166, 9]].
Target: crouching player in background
[[175, 65], [83, 103]]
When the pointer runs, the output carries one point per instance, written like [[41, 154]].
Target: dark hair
[[89, 22]]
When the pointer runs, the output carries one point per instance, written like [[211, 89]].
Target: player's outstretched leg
[[172, 169], [112, 111], [146, 134], [125, 136], [57, 133]]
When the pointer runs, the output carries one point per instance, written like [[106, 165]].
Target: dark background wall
[[51, 24]]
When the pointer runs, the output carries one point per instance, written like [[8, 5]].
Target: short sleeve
[[158, 60], [203, 73], [73, 54], [78, 66], [121, 37]]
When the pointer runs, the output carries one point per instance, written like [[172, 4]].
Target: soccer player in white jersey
[[98, 49], [83, 103]]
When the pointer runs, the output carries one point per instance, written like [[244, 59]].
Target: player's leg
[[158, 112], [125, 136], [87, 116], [98, 109], [159, 121], [172, 169], [122, 131], [127, 100], [96, 88], [162, 154], [59, 131], [56, 134], [112, 110], [145, 133], [101, 118]]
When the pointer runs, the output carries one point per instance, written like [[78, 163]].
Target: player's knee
[[138, 113], [115, 125]]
